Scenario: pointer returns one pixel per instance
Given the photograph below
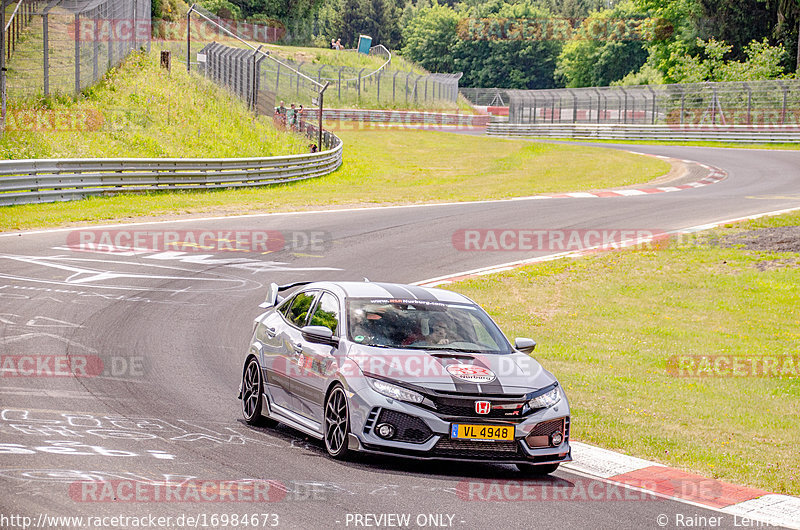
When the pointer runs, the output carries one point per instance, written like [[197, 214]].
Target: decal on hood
[[471, 373]]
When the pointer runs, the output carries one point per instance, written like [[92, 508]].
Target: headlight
[[395, 391], [545, 400]]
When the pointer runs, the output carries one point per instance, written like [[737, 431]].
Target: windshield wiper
[[438, 347]]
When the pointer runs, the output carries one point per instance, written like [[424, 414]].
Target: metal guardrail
[[37, 181], [730, 133]]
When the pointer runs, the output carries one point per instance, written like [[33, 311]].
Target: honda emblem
[[483, 407]]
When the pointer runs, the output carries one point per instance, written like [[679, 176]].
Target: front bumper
[[424, 434]]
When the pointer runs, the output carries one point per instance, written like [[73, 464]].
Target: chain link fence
[[64, 46], [378, 85], [752, 103]]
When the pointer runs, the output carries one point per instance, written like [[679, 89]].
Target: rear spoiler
[[272, 293]]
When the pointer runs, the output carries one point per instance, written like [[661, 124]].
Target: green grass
[[692, 143], [383, 167], [146, 112], [607, 325]]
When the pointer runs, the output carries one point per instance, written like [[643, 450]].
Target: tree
[[676, 34], [737, 22], [763, 61], [608, 46], [431, 37], [485, 42], [381, 20]]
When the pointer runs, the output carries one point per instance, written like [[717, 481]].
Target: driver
[[371, 327], [441, 330]]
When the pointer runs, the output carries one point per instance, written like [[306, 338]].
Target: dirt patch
[[776, 239]]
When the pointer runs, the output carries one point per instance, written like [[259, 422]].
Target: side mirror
[[320, 334], [525, 345], [272, 296]]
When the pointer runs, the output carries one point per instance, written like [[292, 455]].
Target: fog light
[[386, 430], [556, 438]]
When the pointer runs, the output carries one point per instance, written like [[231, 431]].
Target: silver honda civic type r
[[403, 370]]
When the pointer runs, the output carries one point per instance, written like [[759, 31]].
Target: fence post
[[379, 74], [189, 41], [408, 74], [785, 95], [359, 82], [110, 48], [3, 68], [277, 80], [574, 106], [46, 48], [77, 55], [339, 85], [95, 49], [394, 78], [749, 101], [299, 69]]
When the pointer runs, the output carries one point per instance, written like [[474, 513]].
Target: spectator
[[333, 44], [280, 115], [312, 148], [339, 44], [291, 116]]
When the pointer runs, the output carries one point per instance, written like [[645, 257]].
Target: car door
[[283, 348], [317, 359]]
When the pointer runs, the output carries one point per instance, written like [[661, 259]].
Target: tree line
[[553, 43]]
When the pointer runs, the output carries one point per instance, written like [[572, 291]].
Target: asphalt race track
[[161, 336]]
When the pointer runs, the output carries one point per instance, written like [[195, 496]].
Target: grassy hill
[[141, 110]]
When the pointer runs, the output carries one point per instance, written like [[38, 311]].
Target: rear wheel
[[540, 470], [252, 392], [337, 423]]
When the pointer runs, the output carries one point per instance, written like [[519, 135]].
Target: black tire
[[537, 470], [252, 389], [336, 423]]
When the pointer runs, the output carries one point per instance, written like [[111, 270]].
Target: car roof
[[389, 290]]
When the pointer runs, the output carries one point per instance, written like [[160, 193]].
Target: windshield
[[421, 324]]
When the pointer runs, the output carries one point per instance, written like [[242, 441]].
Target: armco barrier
[[714, 133], [406, 117], [35, 181]]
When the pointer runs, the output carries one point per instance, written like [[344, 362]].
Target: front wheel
[[337, 423], [540, 470], [251, 392]]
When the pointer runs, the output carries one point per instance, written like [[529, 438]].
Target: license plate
[[481, 432]]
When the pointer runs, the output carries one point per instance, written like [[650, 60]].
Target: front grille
[[476, 449], [541, 432], [408, 428], [465, 407]]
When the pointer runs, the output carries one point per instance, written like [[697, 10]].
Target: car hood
[[454, 372]]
